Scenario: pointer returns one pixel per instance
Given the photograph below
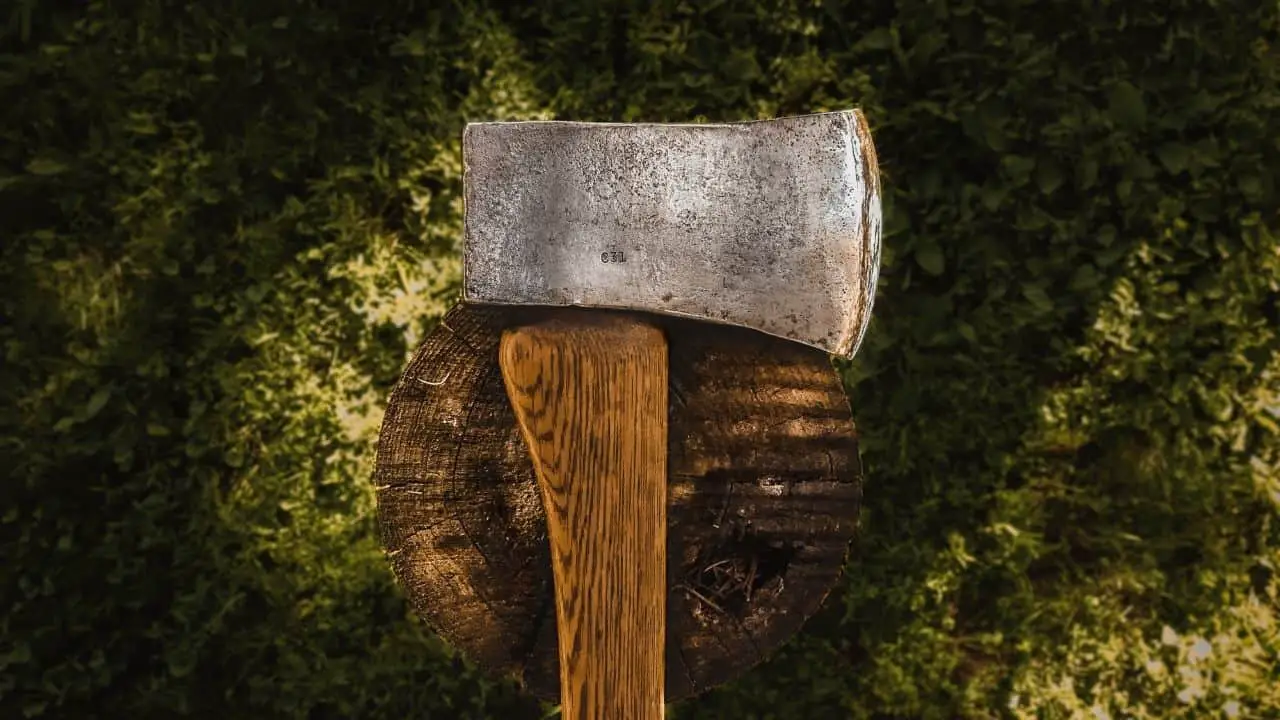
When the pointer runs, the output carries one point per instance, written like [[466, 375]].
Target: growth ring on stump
[[764, 484]]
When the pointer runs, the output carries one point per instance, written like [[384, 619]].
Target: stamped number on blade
[[613, 256]]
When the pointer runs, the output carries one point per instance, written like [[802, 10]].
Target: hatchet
[[771, 225]]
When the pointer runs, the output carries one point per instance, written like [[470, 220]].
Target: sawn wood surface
[[763, 488]]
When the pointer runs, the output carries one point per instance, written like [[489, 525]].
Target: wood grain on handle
[[590, 397]]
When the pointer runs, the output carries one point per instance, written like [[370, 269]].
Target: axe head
[[772, 225]]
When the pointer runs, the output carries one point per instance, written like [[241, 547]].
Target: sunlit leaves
[[214, 294], [225, 226]]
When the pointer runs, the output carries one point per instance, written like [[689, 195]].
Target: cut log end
[[763, 489]]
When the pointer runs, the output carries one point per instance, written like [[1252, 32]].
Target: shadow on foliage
[[1057, 397]]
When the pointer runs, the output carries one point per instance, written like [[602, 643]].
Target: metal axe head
[[772, 225]]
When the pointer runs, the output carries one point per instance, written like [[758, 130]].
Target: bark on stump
[[764, 484]]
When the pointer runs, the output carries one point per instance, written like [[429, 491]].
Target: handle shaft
[[591, 401]]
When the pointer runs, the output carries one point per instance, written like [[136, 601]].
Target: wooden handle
[[591, 401]]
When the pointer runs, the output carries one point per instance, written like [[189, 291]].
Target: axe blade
[[772, 225]]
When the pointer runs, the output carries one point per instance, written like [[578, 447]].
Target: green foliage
[[225, 226], [222, 237]]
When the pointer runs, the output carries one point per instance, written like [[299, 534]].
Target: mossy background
[[224, 226]]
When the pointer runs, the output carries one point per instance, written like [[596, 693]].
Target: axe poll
[[772, 225]]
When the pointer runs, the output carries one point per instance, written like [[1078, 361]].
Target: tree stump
[[764, 484]]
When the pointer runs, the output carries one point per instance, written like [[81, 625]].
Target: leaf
[[927, 45], [1109, 256], [741, 66], [1086, 277], [896, 220], [45, 166], [1267, 424], [1126, 105], [1173, 157], [928, 183], [1087, 173], [1048, 176], [930, 258], [993, 115], [993, 196], [1018, 168], [878, 39], [1249, 184], [97, 402], [1216, 403], [996, 137], [1038, 298], [888, 256], [1139, 168]]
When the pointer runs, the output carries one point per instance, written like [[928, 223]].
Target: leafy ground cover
[[224, 225]]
